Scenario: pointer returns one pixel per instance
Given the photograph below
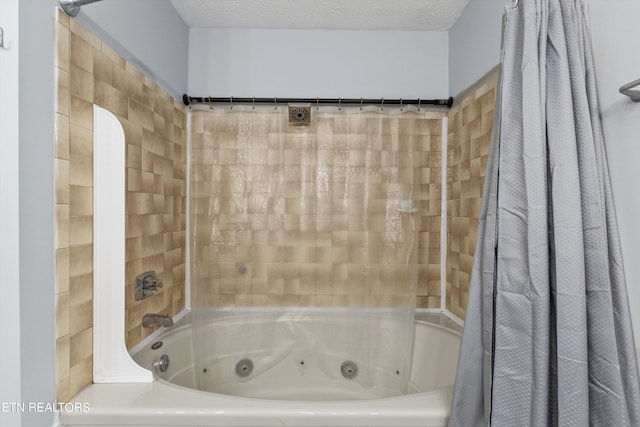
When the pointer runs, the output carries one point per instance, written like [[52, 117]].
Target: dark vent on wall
[[300, 115]]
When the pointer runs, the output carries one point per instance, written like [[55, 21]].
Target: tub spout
[[152, 320]]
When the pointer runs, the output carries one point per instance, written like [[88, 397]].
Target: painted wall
[[618, 63], [474, 50], [36, 207], [10, 388], [474, 43], [148, 33], [31, 289], [295, 63]]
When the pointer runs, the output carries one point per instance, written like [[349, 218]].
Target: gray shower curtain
[[547, 338]]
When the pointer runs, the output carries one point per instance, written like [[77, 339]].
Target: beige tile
[[158, 123], [102, 68], [61, 181], [81, 201], [80, 141], [81, 83], [111, 99], [120, 77], [84, 34], [81, 375], [433, 302], [132, 132], [61, 230], [134, 226], [147, 182], [81, 113], [466, 146], [81, 54], [113, 56], [80, 260], [63, 101], [80, 230], [134, 180], [148, 118], [62, 137], [135, 73], [80, 318], [62, 18], [133, 337], [62, 46], [81, 289], [134, 317], [135, 89], [135, 111], [139, 203], [152, 245], [152, 224], [63, 394], [62, 270], [80, 171], [62, 315], [133, 248], [62, 358]]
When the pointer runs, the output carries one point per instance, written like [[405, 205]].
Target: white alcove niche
[[111, 360]]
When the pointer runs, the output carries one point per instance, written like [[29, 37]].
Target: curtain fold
[[548, 337]]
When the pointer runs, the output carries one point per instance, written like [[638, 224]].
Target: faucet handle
[[146, 284], [152, 285]]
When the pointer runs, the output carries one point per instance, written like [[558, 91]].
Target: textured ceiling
[[401, 15]]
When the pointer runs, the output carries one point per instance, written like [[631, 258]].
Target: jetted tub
[[288, 394]]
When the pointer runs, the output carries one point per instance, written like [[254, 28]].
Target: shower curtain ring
[[418, 104], [381, 104], [317, 103], [401, 108], [339, 104], [231, 102], [275, 103], [210, 103], [360, 104], [253, 103], [516, 3]]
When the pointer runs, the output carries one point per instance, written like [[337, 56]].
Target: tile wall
[[470, 126], [308, 216], [89, 72]]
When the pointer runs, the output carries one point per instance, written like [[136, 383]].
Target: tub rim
[[161, 403]]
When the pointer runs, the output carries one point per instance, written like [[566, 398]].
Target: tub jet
[[349, 369], [244, 368]]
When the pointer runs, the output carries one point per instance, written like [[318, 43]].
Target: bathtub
[[171, 400]]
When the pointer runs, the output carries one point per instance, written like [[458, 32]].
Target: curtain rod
[[188, 100], [72, 7], [628, 90]]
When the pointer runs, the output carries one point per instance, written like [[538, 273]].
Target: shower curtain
[[304, 241], [547, 338]]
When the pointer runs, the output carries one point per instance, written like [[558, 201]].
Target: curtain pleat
[[548, 337]]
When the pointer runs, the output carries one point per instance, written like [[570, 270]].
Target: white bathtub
[[172, 401]]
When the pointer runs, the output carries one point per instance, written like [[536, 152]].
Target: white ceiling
[[400, 15]]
